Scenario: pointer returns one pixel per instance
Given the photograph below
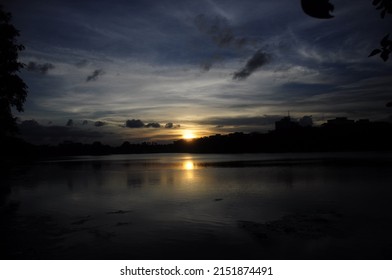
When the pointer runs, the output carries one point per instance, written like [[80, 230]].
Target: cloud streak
[[259, 59], [219, 30], [94, 76], [39, 68], [261, 121]]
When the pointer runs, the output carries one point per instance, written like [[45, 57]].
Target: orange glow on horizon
[[188, 135]]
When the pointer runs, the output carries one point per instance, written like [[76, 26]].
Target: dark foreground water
[[184, 206]]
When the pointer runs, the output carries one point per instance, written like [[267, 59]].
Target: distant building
[[363, 122], [341, 121], [306, 121], [286, 124]]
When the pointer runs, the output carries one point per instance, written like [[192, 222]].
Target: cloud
[[99, 123], [139, 124], [259, 59], [171, 125], [153, 125], [94, 76], [219, 30], [134, 123], [263, 122], [39, 68]]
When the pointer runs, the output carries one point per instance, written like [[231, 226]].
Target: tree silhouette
[[13, 90]]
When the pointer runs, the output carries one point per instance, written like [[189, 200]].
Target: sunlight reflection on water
[[188, 165]]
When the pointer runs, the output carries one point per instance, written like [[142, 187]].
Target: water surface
[[186, 206]]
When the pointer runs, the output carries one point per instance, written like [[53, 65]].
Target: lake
[[199, 206]]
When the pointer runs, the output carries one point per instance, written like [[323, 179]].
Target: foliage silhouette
[[386, 45], [318, 9], [13, 90], [384, 5], [385, 50], [322, 8]]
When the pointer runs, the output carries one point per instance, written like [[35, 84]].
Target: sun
[[188, 135]]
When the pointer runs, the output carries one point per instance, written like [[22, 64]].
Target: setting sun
[[189, 135]]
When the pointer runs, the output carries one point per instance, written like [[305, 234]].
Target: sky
[[115, 71]]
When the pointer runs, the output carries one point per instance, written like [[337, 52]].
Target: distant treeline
[[336, 135]]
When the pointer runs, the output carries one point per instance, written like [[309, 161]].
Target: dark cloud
[[171, 125], [134, 123], [94, 76], [69, 122], [99, 123], [219, 30], [259, 59], [153, 125], [39, 68], [139, 124], [246, 121]]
